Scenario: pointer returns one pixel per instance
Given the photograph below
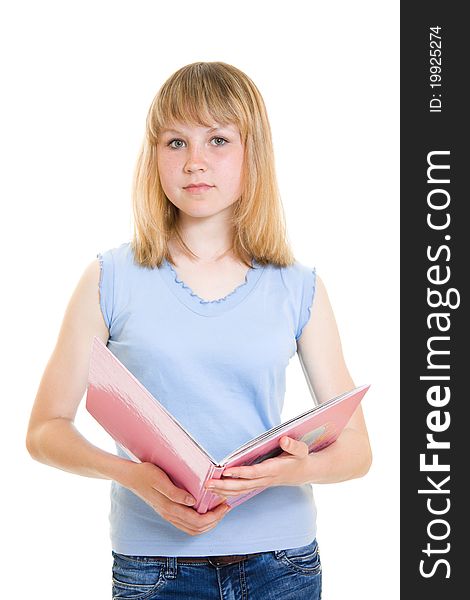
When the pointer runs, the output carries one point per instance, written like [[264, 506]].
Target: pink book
[[147, 432]]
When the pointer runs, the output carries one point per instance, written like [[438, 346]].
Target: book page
[[318, 426]]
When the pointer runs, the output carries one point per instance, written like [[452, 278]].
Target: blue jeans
[[291, 574]]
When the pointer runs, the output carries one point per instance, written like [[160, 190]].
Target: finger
[[196, 530], [268, 468], [236, 487], [193, 531], [216, 514], [196, 522], [201, 527], [247, 472], [180, 523], [221, 499], [167, 488], [205, 530], [294, 447]]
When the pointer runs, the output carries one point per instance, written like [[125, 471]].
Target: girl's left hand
[[289, 468]]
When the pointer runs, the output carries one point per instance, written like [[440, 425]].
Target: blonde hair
[[201, 93]]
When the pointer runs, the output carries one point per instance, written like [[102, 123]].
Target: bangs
[[200, 94]]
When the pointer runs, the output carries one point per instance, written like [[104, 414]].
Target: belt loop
[[171, 569]]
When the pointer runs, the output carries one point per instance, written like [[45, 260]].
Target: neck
[[210, 240]]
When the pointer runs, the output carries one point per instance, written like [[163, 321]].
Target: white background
[[76, 88]]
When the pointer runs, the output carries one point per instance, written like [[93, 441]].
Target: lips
[[198, 185], [198, 189]]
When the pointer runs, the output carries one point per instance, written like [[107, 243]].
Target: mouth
[[198, 185], [198, 188]]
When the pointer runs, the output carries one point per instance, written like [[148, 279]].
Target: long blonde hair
[[201, 93]]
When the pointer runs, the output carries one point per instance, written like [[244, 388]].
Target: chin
[[202, 211], [199, 208]]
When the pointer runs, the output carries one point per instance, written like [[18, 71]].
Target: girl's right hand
[[154, 487]]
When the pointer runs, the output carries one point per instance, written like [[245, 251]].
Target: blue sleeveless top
[[219, 367]]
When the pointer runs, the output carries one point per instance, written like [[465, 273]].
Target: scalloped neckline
[[210, 307], [201, 300]]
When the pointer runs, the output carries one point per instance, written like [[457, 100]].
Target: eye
[[175, 143], [219, 141]]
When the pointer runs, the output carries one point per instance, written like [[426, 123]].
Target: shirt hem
[[141, 548]]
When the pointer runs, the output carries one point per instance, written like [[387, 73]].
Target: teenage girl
[[205, 306]]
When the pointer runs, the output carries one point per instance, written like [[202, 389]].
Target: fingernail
[[190, 501]]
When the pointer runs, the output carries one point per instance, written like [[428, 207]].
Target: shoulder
[[297, 270], [297, 276], [115, 260], [121, 253], [303, 271]]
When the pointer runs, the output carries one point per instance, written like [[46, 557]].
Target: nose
[[196, 160]]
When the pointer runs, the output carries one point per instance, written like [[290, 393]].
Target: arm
[[53, 439], [321, 356], [320, 352]]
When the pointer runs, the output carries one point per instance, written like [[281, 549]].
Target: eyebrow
[[211, 130]]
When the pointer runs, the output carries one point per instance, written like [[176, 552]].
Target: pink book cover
[[147, 432]]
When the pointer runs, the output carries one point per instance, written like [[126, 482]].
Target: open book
[[147, 432]]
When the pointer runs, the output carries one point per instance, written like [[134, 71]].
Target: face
[[189, 155]]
